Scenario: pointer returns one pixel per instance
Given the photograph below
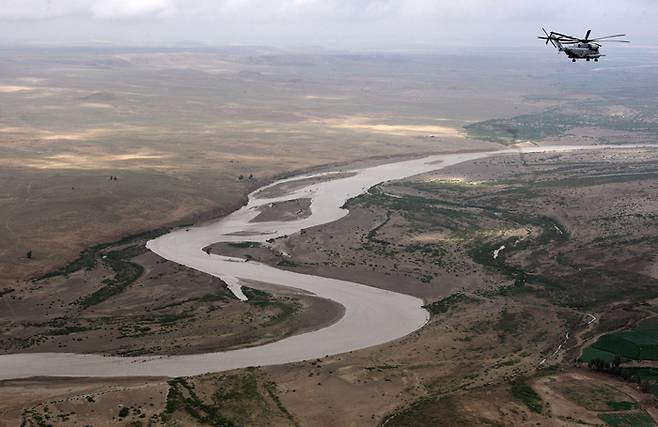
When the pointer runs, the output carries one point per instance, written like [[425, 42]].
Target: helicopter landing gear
[[587, 59], [596, 59], [573, 60]]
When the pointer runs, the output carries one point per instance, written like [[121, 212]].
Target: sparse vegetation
[[522, 391], [448, 303], [89, 257], [125, 273], [225, 400], [286, 308], [554, 122]]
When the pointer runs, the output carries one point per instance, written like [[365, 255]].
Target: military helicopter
[[576, 48]]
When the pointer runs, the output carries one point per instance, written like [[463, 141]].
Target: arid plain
[[514, 255]]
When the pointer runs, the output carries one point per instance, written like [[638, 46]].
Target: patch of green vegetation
[[244, 244], [214, 297], [575, 286], [590, 354], [522, 391], [650, 374], [286, 263], [445, 304], [31, 418], [524, 127], [233, 399], [238, 387], [482, 251], [433, 212], [554, 122], [86, 260], [594, 287], [609, 178], [126, 273], [421, 413], [628, 419], [265, 300], [273, 392], [372, 234], [595, 396], [89, 257], [429, 249], [639, 343], [621, 406], [205, 298], [126, 253], [645, 378], [181, 396], [254, 294]]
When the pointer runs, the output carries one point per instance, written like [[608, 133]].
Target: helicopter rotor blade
[[609, 37], [587, 35], [565, 36]]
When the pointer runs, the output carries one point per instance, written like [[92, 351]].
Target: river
[[372, 316]]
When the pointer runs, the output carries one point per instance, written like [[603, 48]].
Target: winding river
[[372, 316]]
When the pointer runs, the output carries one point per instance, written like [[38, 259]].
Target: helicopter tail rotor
[[549, 38]]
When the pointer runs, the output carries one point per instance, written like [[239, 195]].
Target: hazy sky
[[329, 23]]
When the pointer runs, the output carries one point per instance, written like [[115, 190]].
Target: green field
[[646, 376], [621, 406], [628, 419], [591, 353], [640, 343]]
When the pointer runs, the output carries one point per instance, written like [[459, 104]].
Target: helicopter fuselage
[[582, 51]]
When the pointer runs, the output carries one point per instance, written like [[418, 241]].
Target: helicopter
[[576, 48]]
